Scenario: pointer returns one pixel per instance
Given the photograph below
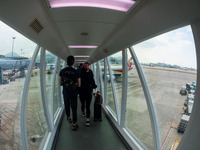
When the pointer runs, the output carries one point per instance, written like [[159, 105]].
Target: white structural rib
[[43, 90], [113, 90], [148, 101], [124, 88], [24, 100]]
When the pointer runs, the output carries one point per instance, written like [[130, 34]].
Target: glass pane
[[101, 65], [110, 98], [50, 61], [137, 115], [168, 62], [15, 55], [56, 92], [116, 71], [94, 71], [35, 118], [62, 64]]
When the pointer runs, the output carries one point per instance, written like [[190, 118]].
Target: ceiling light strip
[[81, 60], [81, 56], [119, 5], [82, 46]]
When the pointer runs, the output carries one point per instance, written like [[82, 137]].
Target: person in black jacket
[[69, 78], [87, 86]]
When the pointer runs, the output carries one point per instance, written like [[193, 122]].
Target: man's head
[[70, 60], [86, 66], [81, 65]]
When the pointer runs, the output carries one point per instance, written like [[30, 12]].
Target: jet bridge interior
[[142, 106]]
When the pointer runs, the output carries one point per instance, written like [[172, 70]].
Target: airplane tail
[[130, 64]]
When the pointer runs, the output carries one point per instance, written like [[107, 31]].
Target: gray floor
[[99, 136]]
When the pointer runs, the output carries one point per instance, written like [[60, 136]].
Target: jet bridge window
[[50, 62], [169, 63], [35, 118], [15, 56], [137, 116]]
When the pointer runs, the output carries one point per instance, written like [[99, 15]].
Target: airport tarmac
[[164, 87]]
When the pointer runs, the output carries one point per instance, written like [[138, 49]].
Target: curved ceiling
[[110, 30]]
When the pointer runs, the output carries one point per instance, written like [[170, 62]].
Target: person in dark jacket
[[87, 86], [69, 78]]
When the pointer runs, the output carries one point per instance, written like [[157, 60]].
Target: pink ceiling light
[[81, 56], [82, 46], [81, 60], [119, 5]]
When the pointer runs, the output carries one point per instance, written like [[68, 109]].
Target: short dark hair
[[70, 60], [87, 63], [81, 64]]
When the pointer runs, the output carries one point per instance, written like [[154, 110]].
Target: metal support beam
[[25, 98], [53, 89], [148, 101], [105, 83], [113, 90], [124, 88], [43, 90]]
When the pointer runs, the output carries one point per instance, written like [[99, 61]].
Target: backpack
[[69, 84]]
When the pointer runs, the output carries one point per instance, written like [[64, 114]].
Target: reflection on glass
[[56, 91], [116, 71], [169, 63], [50, 61], [13, 70], [62, 64], [101, 77], [137, 115], [35, 118], [110, 98]]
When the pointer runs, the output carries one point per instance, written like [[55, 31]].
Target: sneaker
[[87, 123], [69, 120], [83, 114], [74, 127]]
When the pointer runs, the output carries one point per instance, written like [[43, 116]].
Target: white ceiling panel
[[87, 14], [71, 32], [82, 51]]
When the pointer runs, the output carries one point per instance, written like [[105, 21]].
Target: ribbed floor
[[99, 136]]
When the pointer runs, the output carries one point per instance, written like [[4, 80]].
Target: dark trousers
[[70, 99], [86, 101]]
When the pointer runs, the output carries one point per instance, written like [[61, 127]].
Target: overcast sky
[[175, 47], [21, 42]]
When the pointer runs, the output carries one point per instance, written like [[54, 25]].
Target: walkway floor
[[98, 136]]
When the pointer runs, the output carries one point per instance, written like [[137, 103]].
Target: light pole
[[13, 45], [21, 52]]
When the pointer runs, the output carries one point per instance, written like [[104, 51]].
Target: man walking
[[69, 78]]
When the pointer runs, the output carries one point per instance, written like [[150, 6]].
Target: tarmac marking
[[168, 131], [4, 126], [16, 135], [8, 117], [8, 123], [31, 120], [3, 147], [6, 142], [11, 139], [9, 113]]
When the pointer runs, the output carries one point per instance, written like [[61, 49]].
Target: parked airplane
[[116, 69]]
